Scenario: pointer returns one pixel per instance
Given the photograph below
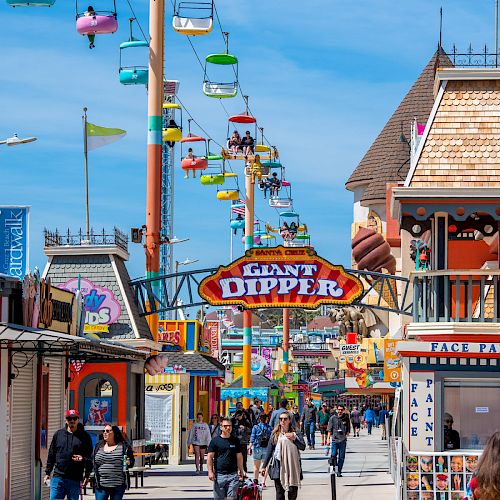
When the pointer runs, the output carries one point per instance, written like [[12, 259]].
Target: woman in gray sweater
[[111, 459]]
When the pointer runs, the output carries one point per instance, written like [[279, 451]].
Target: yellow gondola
[[227, 195], [173, 133]]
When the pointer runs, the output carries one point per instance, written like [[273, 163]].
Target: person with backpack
[[259, 440], [369, 418], [111, 459]]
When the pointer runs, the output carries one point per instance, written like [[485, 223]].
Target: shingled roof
[[387, 154]]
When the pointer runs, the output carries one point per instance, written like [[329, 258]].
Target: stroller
[[248, 490]]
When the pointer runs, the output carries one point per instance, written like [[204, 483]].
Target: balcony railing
[[99, 238], [456, 296]]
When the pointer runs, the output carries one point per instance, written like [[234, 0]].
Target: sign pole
[[154, 155], [247, 314], [286, 339]]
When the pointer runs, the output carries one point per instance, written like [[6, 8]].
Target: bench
[[137, 472]]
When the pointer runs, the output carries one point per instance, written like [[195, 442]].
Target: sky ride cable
[[223, 107], [146, 39]]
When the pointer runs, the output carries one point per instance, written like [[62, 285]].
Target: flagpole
[[86, 159]]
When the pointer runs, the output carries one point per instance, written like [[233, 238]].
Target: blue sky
[[323, 78]]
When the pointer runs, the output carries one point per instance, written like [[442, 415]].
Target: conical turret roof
[[385, 160]]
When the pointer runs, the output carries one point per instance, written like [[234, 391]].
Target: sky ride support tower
[[170, 88]]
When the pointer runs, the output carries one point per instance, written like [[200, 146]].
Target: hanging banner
[[392, 363], [14, 223], [158, 417], [266, 353], [280, 277], [213, 334]]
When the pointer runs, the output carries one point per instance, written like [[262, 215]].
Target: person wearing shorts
[[259, 441], [355, 421], [322, 419], [225, 463]]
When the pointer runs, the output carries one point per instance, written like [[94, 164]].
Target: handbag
[[273, 470]]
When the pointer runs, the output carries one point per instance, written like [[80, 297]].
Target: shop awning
[[163, 378], [257, 381], [261, 393], [37, 340], [331, 387], [196, 363]]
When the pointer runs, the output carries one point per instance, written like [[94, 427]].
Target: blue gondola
[[133, 75], [32, 3]]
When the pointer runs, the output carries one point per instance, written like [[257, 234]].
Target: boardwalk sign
[[280, 277]]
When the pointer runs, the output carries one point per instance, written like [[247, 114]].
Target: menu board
[[438, 476]]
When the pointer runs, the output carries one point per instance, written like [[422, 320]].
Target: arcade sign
[[280, 277]]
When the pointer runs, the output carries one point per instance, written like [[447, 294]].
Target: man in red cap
[[69, 457]]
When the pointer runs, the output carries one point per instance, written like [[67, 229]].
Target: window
[[98, 403], [474, 405]]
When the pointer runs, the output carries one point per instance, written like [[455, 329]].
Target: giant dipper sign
[[280, 277]]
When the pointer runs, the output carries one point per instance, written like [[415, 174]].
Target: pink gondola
[[96, 22], [96, 25]]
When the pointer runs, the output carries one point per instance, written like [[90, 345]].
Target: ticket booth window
[[474, 406]]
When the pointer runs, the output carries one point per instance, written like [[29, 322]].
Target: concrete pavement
[[364, 476]]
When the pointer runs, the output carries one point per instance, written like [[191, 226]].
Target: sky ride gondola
[[173, 132], [133, 75], [31, 3], [94, 22], [194, 160], [193, 18], [229, 87], [228, 195], [221, 90]]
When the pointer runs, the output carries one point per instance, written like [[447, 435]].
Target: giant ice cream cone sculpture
[[372, 253]]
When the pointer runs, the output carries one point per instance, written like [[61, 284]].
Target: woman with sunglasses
[[283, 458], [111, 459]]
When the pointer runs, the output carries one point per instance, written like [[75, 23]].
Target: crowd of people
[[274, 438]]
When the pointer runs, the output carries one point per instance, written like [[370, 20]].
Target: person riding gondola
[[285, 231], [275, 184], [90, 12], [234, 143], [247, 142]]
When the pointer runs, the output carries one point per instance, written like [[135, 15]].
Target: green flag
[[102, 136]]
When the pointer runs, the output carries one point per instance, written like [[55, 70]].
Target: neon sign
[[280, 277]]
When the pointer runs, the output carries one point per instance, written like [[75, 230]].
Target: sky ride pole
[[247, 314], [286, 339], [154, 162]]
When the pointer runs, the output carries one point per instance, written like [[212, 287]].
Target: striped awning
[[163, 378]]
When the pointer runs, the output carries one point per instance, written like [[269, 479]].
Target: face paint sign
[[280, 277], [101, 307]]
